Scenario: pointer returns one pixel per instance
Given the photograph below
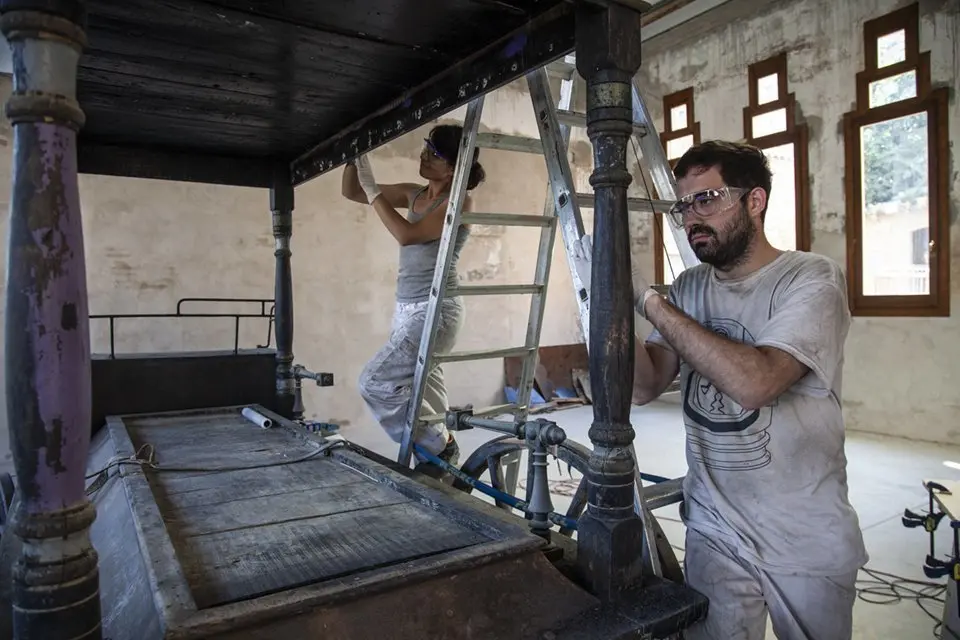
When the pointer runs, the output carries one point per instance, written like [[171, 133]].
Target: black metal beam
[[171, 164], [545, 38]]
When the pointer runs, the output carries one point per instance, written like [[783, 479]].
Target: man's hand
[[367, 181], [642, 292]]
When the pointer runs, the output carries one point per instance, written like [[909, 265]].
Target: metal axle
[[539, 434]]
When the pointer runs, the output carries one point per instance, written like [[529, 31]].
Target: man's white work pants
[[741, 595]]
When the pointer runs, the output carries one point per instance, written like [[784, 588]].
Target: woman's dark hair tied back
[[446, 139]]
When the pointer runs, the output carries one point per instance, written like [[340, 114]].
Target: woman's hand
[[367, 180]]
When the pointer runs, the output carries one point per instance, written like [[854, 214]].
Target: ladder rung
[[633, 204], [564, 68], [663, 493], [508, 219], [485, 354], [510, 143], [577, 119], [485, 412], [493, 289]]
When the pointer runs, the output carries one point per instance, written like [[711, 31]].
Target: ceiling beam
[[547, 37], [98, 158]]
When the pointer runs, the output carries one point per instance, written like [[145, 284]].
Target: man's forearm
[[648, 380], [741, 371]]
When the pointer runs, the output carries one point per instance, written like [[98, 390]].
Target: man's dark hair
[[740, 165]]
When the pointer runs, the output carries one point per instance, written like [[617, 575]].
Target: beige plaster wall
[[151, 242], [901, 373]]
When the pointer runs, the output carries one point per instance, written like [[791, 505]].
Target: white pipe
[[256, 418]]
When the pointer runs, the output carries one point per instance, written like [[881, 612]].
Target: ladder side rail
[[661, 173], [560, 201], [555, 138], [570, 219], [458, 193]]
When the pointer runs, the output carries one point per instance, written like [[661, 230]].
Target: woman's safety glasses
[[431, 152]]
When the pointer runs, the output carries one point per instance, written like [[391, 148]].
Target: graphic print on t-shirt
[[722, 434]]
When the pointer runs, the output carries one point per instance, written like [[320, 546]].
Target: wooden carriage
[[146, 505]]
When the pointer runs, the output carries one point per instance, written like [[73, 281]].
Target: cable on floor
[[888, 588], [145, 456], [883, 588]]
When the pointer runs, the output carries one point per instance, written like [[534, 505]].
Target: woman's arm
[[427, 229], [398, 195]]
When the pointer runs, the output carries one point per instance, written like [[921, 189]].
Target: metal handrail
[[264, 313]]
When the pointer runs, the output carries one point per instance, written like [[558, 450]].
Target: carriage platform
[[209, 526]]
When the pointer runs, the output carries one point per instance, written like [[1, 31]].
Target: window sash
[[937, 301]]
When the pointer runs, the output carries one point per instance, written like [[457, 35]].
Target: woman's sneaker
[[450, 455]]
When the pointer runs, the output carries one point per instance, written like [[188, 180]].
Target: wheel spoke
[[496, 480], [577, 504]]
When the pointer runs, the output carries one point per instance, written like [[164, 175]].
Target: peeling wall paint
[[900, 374]]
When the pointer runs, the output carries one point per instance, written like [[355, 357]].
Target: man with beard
[[757, 336]]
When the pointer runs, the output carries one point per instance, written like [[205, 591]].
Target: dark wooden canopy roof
[[227, 91]]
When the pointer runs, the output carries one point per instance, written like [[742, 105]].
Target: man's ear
[[756, 201]]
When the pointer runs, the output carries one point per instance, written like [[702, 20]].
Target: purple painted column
[[55, 591]]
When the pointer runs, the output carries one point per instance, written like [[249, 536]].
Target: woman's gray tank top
[[418, 261]]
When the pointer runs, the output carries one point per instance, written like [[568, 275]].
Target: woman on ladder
[[386, 383]]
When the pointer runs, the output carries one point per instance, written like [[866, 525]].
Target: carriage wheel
[[488, 459]]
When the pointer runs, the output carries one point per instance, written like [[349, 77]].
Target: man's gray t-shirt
[[772, 481]]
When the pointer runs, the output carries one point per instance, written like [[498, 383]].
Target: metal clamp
[[929, 521], [299, 373], [322, 379]]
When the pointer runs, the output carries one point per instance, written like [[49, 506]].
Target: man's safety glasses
[[706, 203]]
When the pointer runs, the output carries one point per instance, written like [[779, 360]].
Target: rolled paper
[[260, 420]]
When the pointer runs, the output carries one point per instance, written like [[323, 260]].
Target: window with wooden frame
[[897, 223], [680, 132], [769, 122]]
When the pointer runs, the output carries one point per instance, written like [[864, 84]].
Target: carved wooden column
[[610, 534], [281, 204], [55, 590]]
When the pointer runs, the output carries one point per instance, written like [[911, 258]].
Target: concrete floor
[[885, 477]]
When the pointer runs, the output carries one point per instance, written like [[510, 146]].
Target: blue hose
[[649, 477], [516, 503]]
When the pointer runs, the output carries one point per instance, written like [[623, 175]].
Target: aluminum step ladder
[[562, 206], [560, 198]]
